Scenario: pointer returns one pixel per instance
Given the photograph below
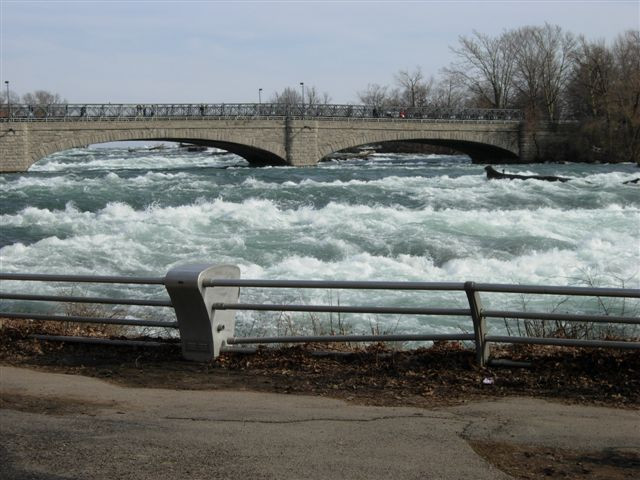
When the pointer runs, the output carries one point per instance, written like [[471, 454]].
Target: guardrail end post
[[202, 329], [483, 350]]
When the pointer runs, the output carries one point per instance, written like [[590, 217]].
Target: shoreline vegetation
[[375, 374], [585, 92]]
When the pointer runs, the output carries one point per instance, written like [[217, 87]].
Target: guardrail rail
[[205, 300], [207, 111]]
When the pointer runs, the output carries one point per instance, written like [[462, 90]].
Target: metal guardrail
[[94, 300], [205, 299], [157, 111]]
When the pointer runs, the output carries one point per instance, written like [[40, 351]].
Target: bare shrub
[[606, 306]]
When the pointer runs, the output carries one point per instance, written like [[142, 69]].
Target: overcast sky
[[216, 51]]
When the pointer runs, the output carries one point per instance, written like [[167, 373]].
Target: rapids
[[111, 211]]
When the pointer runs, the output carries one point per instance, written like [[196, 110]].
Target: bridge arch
[[478, 152], [482, 145], [253, 154], [234, 140]]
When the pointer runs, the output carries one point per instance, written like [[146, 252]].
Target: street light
[[259, 95], [6, 82], [302, 85]]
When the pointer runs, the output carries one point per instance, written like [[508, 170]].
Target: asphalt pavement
[[55, 427]]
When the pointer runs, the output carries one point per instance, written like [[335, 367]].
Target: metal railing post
[[202, 330], [479, 324]]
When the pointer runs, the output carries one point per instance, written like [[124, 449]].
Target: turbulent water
[[390, 217]]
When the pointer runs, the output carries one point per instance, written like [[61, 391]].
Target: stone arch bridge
[[298, 135]]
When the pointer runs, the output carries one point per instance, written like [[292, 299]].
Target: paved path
[[56, 427]]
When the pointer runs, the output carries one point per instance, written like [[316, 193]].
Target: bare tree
[[626, 93], [528, 70], [604, 93], [326, 98], [556, 50], [375, 95], [13, 97], [315, 98], [589, 88], [485, 66], [414, 89], [588, 97], [288, 96], [42, 97], [449, 94], [543, 66]]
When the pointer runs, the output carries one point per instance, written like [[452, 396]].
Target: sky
[[220, 51]]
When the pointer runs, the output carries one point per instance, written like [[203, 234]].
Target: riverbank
[[376, 375]]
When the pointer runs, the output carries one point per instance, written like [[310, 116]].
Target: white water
[[398, 217]]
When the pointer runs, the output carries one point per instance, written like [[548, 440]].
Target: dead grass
[[375, 375], [25, 328]]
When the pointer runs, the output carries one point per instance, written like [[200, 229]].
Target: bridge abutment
[[546, 142], [528, 143], [15, 148]]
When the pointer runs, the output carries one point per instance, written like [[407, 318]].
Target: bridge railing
[[140, 112], [205, 300]]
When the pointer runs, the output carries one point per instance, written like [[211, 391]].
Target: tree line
[[38, 97], [552, 75]]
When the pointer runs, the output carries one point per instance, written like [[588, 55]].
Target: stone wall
[[547, 142], [14, 147]]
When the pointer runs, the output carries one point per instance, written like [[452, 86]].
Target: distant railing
[[205, 299], [156, 111]]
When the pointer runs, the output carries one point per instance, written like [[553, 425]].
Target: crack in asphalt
[[309, 420]]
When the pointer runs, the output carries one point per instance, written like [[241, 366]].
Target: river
[[112, 211]]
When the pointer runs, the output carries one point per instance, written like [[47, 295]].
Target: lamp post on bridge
[[259, 96], [6, 82], [302, 86]]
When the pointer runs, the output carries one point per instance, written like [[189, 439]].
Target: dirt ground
[[443, 375], [532, 462]]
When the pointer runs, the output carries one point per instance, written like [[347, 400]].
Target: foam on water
[[123, 159], [260, 231], [432, 218]]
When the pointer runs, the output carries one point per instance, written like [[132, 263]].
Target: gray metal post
[[202, 330], [479, 324]]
